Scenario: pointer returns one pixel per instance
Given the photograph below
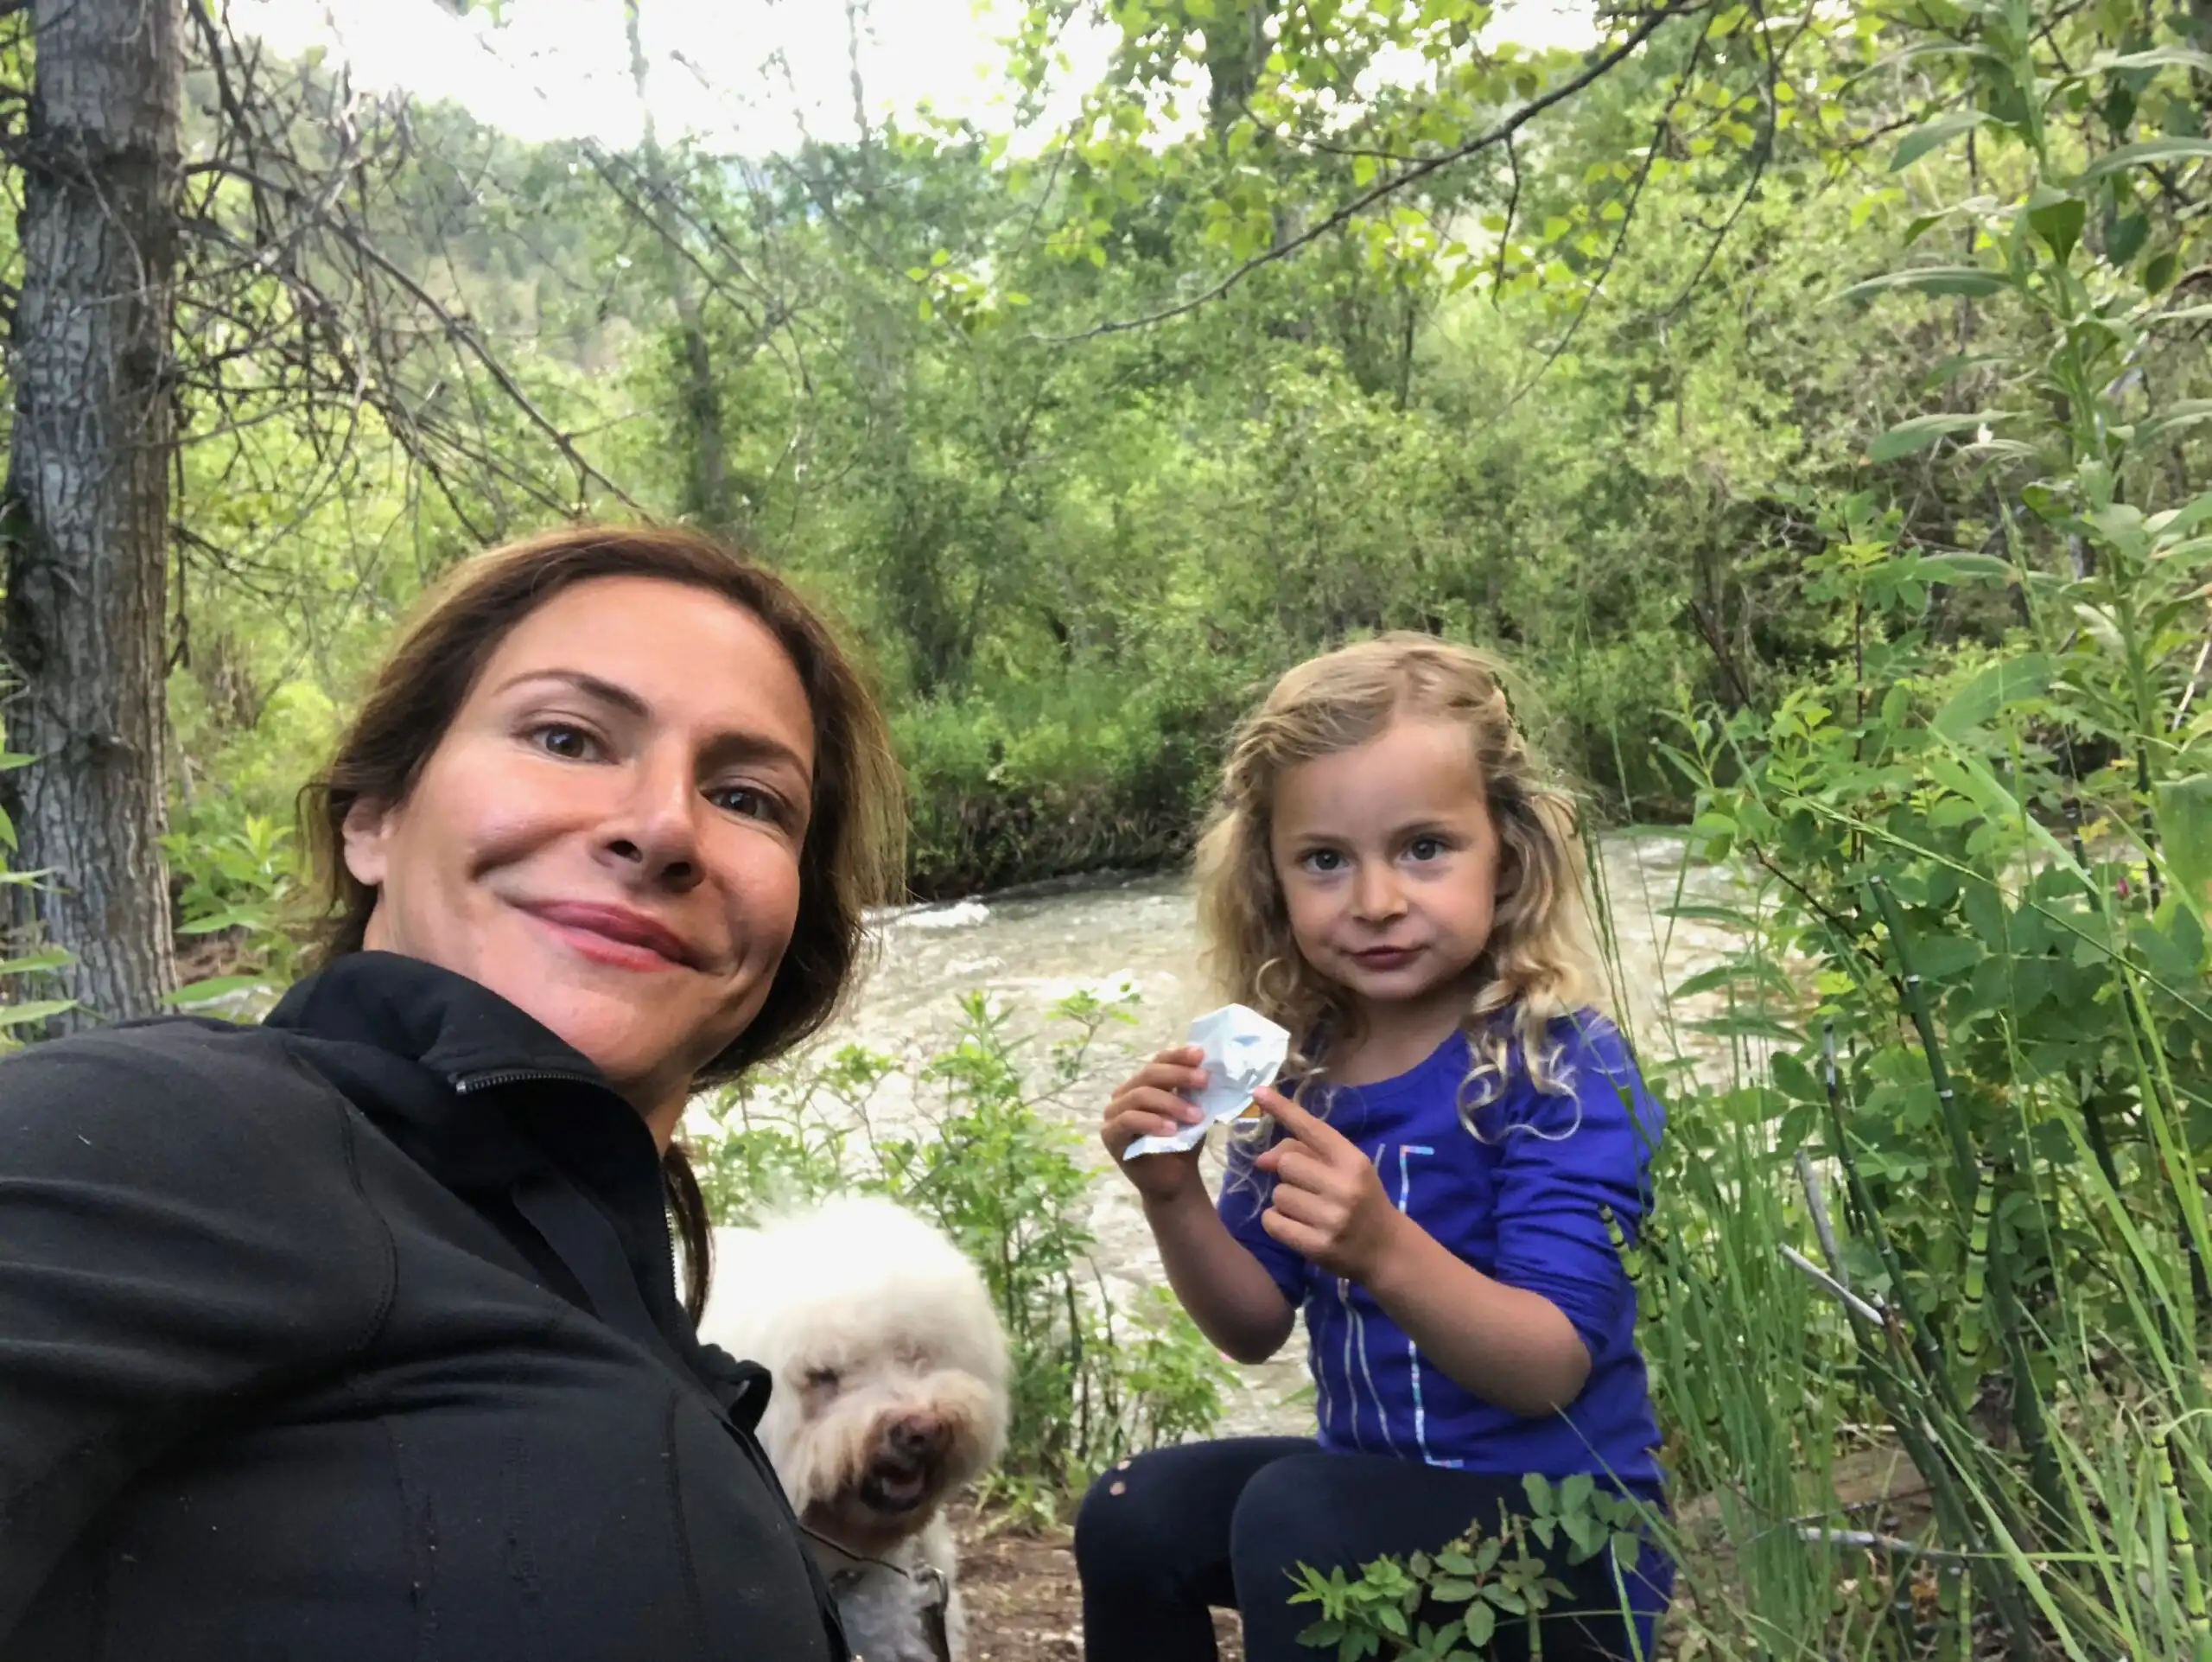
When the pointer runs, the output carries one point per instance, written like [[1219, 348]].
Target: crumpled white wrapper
[[1243, 1051]]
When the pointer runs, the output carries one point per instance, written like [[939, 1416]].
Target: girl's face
[[1388, 858], [608, 834]]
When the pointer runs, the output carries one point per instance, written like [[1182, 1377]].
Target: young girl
[[1388, 876]]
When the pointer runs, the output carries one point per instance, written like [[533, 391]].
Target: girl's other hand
[[1329, 1205], [1144, 1104]]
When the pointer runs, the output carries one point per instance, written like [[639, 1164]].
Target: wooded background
[[1320, 318], [1814, 402]]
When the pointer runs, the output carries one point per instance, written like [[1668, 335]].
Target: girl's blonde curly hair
[[1542, 957]]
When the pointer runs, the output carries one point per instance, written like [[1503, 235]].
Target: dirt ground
[[1023, 1602]]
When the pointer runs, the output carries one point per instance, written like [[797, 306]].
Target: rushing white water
[[1029, 950]]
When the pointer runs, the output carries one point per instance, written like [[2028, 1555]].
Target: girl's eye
[[570, 743], [1324, 860], [1425, 848]]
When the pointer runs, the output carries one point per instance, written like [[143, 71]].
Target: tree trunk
[[707, 499], [84, 521]]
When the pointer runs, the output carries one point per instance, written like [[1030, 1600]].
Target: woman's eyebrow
[[591, 685]]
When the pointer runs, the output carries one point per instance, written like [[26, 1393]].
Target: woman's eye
[[746, 802], [570, 743]]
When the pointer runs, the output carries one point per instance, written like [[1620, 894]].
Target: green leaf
[[1451, 1590], [1538, 1488], [1969, 280], [1933, 134], [2162, 57], [2159, 274], [1961, 567], [1793, 1079], [220, 986], [1994, 688], [16, 1015], [1922, 431], [1942, 957], [1364, 170], [2057, 218], [2124, 239], [2144, 152], [1482, 1625], [2186, 412], [2184, 815]]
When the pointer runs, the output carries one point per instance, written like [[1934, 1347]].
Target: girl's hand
[[1144, 1104], [1329, 1205]]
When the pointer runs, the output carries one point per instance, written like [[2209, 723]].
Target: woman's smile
[[615, 935]]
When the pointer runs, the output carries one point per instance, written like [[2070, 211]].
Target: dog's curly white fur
[[890, 1370]]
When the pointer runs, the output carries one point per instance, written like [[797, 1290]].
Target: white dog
[[890, 1371]]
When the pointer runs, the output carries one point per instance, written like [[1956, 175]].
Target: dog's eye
[[822, 1379]]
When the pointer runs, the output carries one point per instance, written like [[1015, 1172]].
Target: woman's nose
[[657, 827]]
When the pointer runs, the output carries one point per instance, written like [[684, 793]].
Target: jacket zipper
[[465, 1082]]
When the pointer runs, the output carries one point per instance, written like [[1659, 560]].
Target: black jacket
[[353, 1338]]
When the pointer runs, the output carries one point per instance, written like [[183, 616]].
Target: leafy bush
[[1977, 952], [1072, 774], [242, 882], [999, 1172]]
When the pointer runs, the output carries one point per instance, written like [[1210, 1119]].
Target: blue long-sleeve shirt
[[1525, 1202]]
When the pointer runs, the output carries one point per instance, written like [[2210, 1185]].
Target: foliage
[[1987, 995], [244, 883], [23, 968], [1407, 1608], [1813, 404], [982, 1153]]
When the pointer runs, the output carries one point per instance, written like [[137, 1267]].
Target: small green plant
[[995, 1162], [241, 881], [19, 973], [1483, 1578]]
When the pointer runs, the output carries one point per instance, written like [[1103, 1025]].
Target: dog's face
[[889, 1364], [876, 1437]]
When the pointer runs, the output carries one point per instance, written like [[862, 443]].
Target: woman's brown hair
[[854, 850]]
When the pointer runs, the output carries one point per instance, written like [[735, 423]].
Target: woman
[[355, 1337]]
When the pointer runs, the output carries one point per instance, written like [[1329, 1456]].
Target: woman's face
[[608, 834]]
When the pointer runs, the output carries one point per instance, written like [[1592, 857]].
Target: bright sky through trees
[[751, 70]]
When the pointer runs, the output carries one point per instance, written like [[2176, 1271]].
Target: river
[[1136, 936]]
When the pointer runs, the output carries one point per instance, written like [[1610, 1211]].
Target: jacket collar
[[500, 1110], [458, 1028]]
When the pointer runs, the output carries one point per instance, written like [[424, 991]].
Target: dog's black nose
[[916, 1438]]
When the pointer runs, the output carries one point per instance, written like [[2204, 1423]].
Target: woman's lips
[[614, 935]]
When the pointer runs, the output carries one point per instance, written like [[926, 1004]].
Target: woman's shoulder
[[175, 1086]]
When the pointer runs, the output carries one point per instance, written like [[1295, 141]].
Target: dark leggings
[[1225, 1524]]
